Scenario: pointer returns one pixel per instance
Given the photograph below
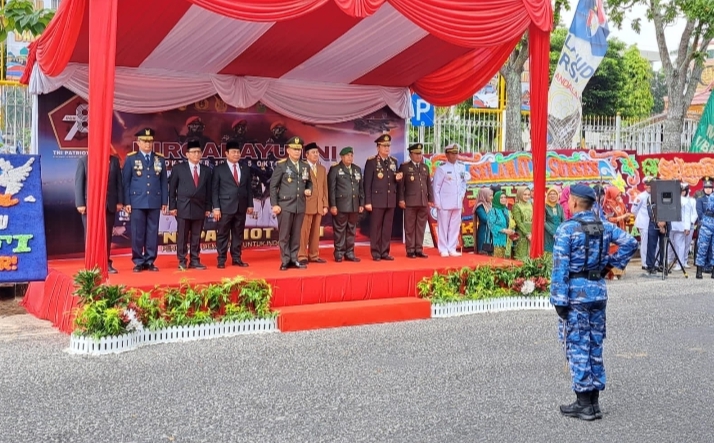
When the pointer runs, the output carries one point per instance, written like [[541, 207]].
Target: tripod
[[665, 243]]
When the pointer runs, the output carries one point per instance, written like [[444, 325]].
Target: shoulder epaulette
[[131, 153], [371, 158], [159, 154], [335, 164], [282, 160]]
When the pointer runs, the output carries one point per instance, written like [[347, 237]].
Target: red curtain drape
[[539, 47], [102, 56], [465, 75]]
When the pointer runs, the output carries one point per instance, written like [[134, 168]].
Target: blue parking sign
[[422, 112]]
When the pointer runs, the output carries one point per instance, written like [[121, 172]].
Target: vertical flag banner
[[584, 48], [703, 140]]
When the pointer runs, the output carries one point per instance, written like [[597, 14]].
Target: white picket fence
[[133, 340], [457, 309]]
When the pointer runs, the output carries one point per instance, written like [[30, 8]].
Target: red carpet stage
[[319, 283]]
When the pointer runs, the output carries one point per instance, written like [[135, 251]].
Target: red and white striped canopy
[[315, 60]]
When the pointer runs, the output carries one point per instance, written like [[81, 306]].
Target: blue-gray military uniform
[[704, 258], [146, 191], [579, 294]]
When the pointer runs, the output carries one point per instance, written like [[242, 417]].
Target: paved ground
[[481, 378]]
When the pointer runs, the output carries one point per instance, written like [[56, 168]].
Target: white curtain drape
[[143, 90]]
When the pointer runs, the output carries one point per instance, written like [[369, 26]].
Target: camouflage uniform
[[584, 329], [706, 237]]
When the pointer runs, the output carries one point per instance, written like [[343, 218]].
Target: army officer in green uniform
[[346, 198]]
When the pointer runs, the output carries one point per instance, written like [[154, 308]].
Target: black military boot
[[712, 273], [699, 273], [595, 400], [582, 408]]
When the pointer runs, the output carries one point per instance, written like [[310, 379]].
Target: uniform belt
[[587, 275]]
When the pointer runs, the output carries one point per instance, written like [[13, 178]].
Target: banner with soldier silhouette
[[261, 132]]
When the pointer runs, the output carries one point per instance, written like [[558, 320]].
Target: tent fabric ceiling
[[375, 49]]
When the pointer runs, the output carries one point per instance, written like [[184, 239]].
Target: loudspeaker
[[666, 200]]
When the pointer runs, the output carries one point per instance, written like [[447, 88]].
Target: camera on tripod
[[666, 200]]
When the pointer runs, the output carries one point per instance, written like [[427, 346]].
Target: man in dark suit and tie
[[146, 193], [115, 197], [289, 185], [190, 201], [232, 200], [344, 183]]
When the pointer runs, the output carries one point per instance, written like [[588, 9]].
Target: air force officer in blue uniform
[[145, 198]]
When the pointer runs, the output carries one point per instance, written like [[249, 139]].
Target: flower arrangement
[[532, 278], [106, 310]]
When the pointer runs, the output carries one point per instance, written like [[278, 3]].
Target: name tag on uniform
[[340, 172]]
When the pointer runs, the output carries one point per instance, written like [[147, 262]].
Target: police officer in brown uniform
[[289, 186], [346, 196], [415, 197], [380, 193]]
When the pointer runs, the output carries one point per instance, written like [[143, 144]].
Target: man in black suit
[[232, 200], [190, 201], [115, 200]]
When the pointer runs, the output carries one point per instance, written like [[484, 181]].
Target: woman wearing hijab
[[554, 216], [483, 206], [499, 223], [523, 216], [564, 197], [615, 211]]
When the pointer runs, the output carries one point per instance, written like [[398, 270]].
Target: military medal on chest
[[138, 167], [289, 173], [305, 173], [157, 165], [357, 176]]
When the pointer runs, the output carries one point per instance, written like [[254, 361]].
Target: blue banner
[[23, 253]]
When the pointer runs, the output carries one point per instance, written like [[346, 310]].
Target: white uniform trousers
[[449, 227]]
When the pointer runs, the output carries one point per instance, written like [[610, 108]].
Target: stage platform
[[320, 283]]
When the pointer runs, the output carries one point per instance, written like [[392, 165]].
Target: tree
[[637, 98], [512, 72], [20, 16], [684, 73], [658, 86]]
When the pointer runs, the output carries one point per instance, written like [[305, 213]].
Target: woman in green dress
[[499, 225], [523, 216], [554, 216]]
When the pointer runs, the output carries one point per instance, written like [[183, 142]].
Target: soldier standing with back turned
[[415, 197]]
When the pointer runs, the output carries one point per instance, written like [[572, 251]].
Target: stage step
[[352, 313]]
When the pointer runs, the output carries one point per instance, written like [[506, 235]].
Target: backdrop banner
[[63, 139], [23, 255], [511, 170]]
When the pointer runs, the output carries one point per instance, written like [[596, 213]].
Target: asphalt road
[[481, 378]]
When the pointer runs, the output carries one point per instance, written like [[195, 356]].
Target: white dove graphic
[[12, 178]]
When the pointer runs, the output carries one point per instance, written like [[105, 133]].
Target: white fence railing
[[483, 132], [15, 118]]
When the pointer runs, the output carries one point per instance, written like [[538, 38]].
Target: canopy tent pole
[[102, 60], [539, 47]]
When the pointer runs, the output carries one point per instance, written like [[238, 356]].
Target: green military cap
[[295, 143], [347, 150], [415, 148], [384, 138]]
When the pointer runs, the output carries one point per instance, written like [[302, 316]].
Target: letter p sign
[[422, 112]]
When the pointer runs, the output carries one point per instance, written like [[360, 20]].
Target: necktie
[[314, 170], [195, 175], [146, 156], [236, 177]]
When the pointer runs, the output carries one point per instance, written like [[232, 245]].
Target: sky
[[646, 39]]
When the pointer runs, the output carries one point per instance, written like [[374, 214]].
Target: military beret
[[145, 134], [295, 143], [583, 191], [347, 150], [193, 119], [232, 144], [193, 143], [276, 124], [708, 182], [452, 149], [310, 147], [384, 138], [240, 122], [415, 148]]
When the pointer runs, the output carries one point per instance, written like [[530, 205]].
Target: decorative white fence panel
[[15, 119], [133, 340], [457, 309]]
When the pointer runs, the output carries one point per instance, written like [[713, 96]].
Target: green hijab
[[497, 200]]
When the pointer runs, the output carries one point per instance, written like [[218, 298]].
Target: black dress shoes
[[352, 258], [182, 266], [318, 260], [302, 262], [388, 258], [298, 265], [221, 266], [411, 255], [376, 258], [338, 259], [240, 263], [151, 268], [198, 266], [138, 268], [421, 255], [111, 270], [284, 267]]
